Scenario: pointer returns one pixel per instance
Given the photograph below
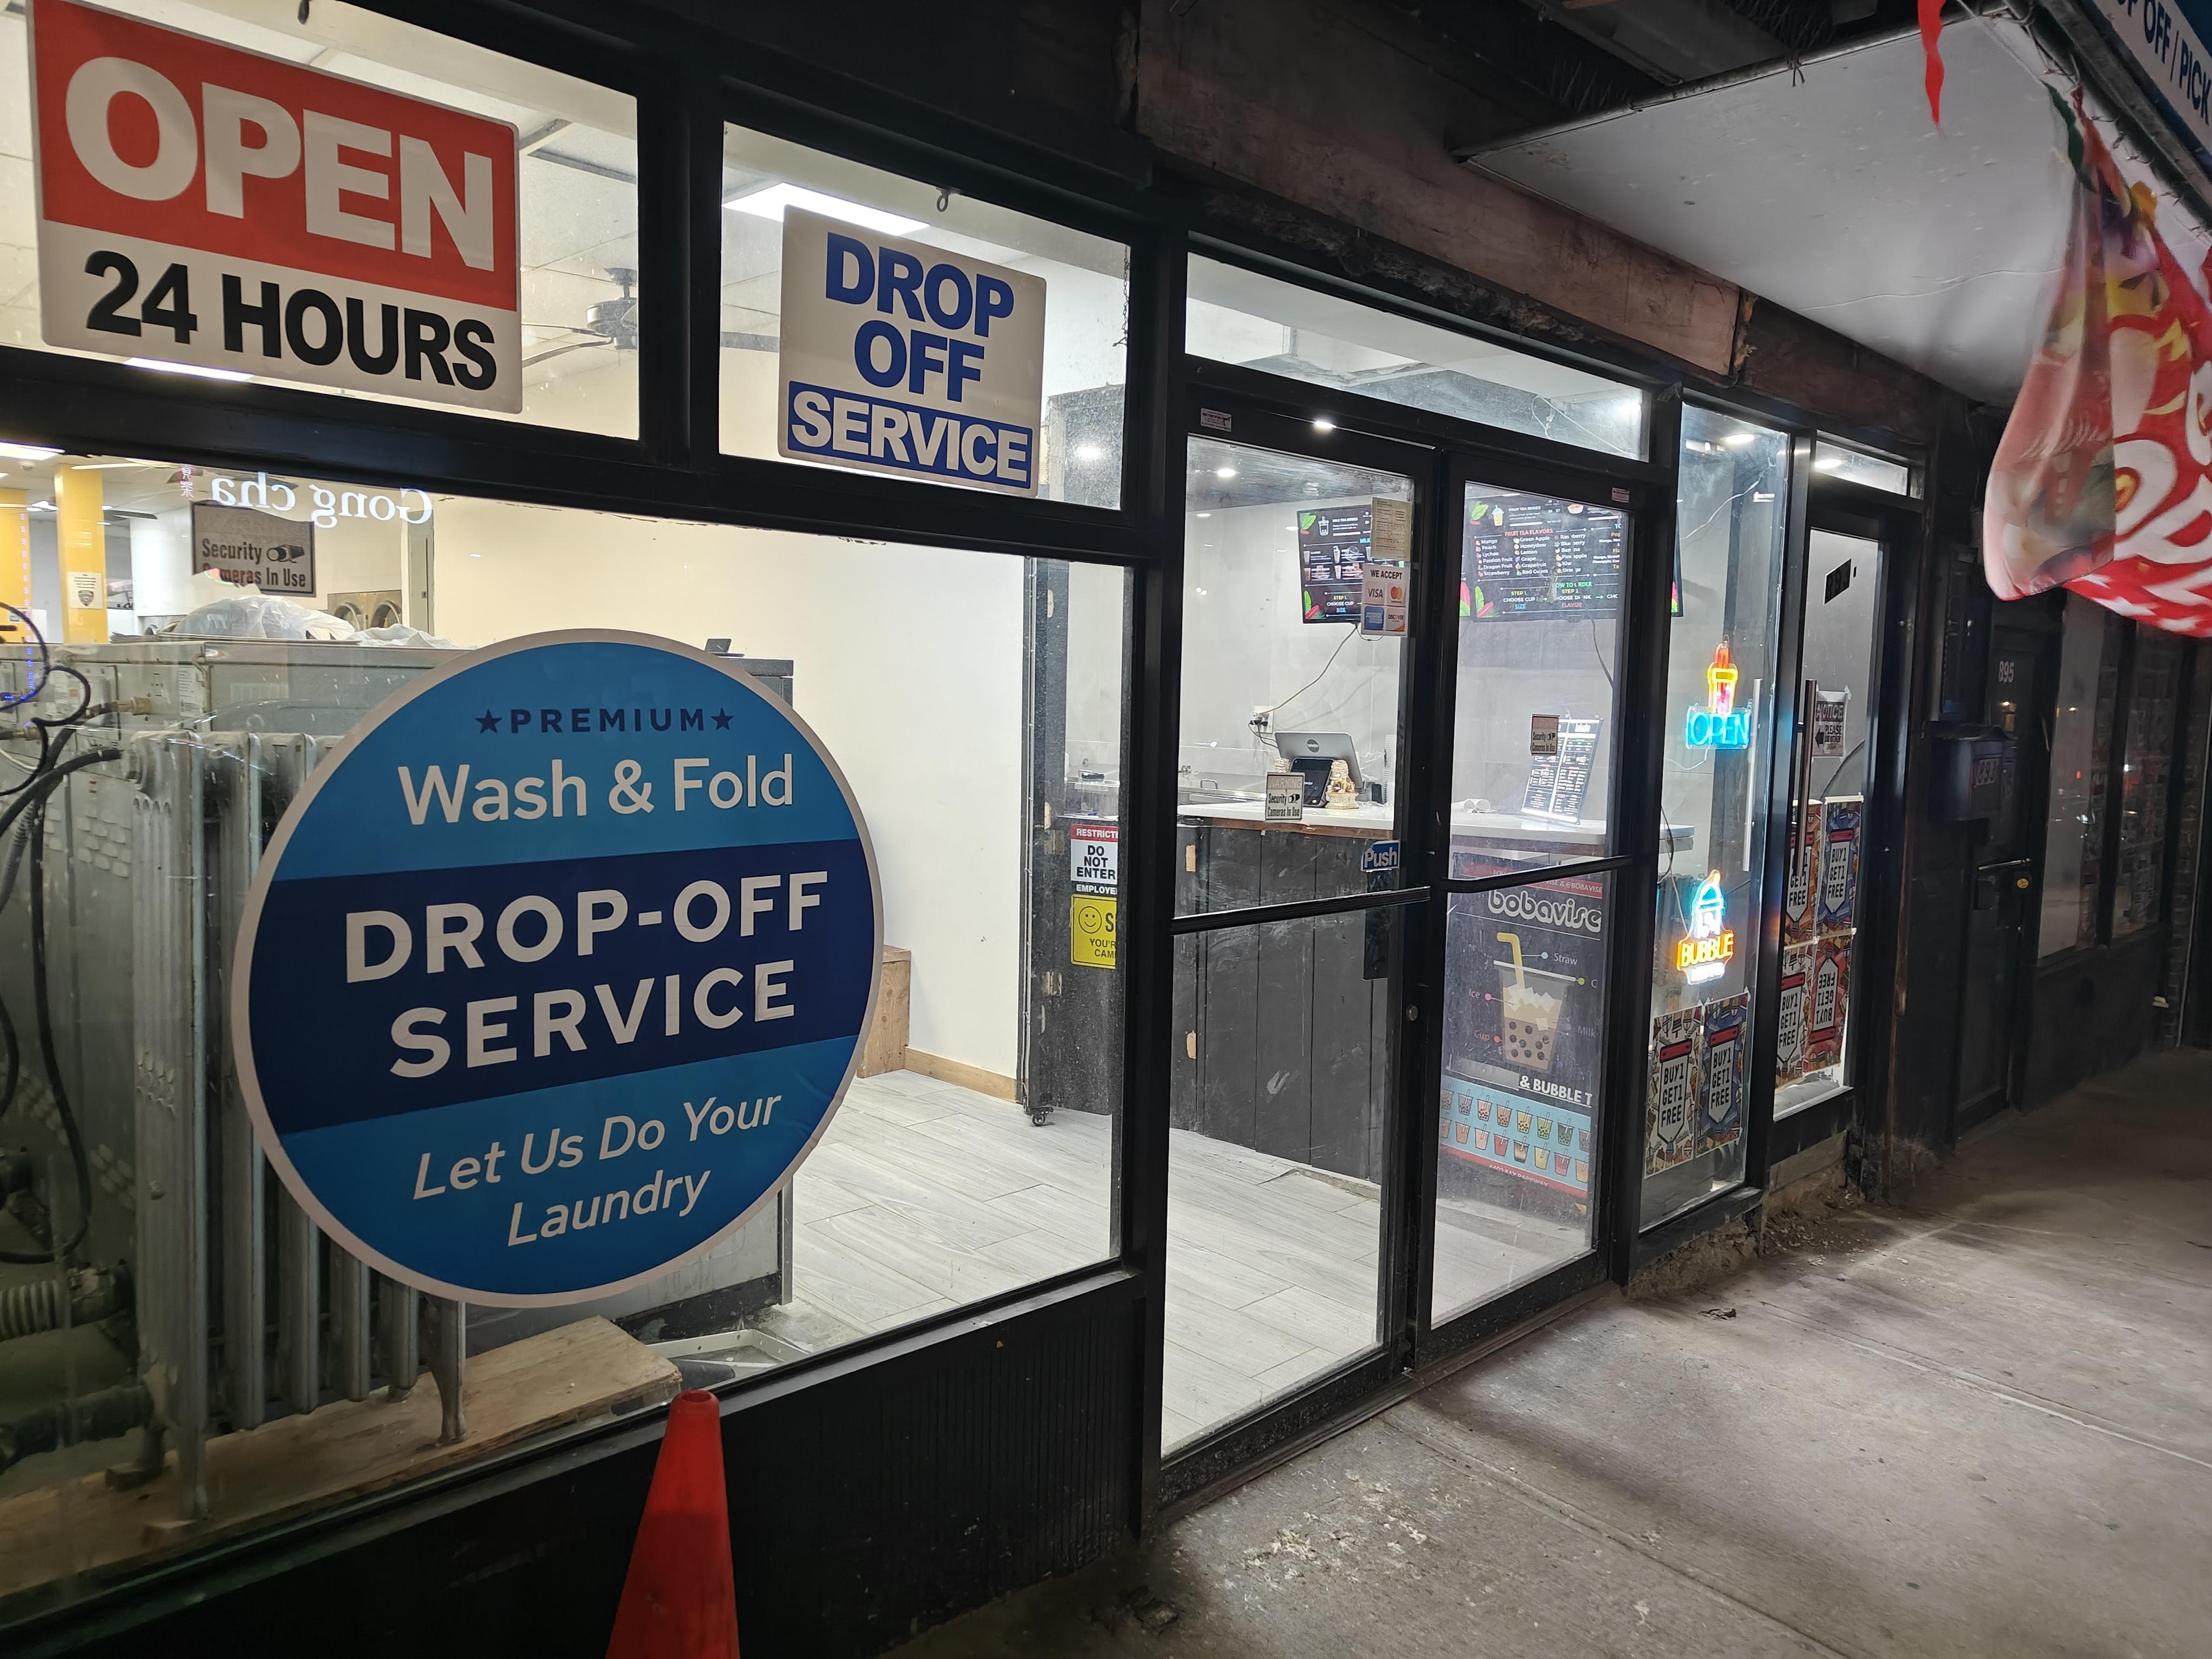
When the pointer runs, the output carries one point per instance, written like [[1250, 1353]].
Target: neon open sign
[[1719, 723], [1704, 952]]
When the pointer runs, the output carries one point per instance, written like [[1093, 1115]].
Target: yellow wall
[[82, 534], [14, 560]]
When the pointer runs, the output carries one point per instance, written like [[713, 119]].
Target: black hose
[[46, 1053], [35, 804], [15, 1061], [99, 1416]]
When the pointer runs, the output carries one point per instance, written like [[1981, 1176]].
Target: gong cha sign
[[202, 205]]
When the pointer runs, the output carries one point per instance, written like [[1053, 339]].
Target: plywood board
[[983, 1081], [296, 1464], [887, 1036]]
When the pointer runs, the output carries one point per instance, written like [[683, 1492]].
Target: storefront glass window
[[2081, 757], [973, 1154], [1524, 1046], [1539, 634], [1239, 316], [1279, 681], [1718, 728], [559, 298], [2145, 776], [957, 341]]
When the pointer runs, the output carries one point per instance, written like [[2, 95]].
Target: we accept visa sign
[[899, 357]]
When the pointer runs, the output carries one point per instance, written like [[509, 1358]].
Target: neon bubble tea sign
[[1719, 723], [1703, 953]]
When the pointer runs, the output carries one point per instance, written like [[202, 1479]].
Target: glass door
[[2000, 939], [1831, 762], [1535, 621], [1717, 731], [1301, 552]]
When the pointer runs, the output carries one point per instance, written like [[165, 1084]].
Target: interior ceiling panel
[[1827, 190]]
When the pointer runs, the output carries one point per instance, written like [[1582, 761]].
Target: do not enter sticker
[[554, 974]]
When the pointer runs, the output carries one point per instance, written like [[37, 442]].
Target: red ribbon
[[1931, 33]]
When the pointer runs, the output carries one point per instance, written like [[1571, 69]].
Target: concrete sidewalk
[[1981, 1425]]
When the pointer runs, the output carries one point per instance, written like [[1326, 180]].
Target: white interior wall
[[162, 561], [1097, 676], [907, 661], [1513, 668], [359, 555], [1245, 646]]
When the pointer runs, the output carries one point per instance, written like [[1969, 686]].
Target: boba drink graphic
[[1529, 1022], [1532, 1024]]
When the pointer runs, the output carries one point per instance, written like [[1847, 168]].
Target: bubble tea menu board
[[1530, 556], [1333, 547]]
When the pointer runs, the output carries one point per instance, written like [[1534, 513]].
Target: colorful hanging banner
[[2102, 480]]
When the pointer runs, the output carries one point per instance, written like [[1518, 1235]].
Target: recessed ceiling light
[[1225, 471], [27, 453], [1205, 515], [769, 203], [1322, 423], [198, 371]]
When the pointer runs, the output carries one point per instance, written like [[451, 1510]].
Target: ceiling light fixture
[[27, 453], [1739, 440], [1322, 423], [771, 203], [1225, 471]]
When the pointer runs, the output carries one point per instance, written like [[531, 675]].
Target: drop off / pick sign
[[554, 975]]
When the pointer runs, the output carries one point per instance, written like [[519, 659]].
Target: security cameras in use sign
[[896, 356], [558, 970], [202, 205]]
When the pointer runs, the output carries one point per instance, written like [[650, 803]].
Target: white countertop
[[1378, 822]]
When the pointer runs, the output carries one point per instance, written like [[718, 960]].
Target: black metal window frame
[[1279, 415], [675, 469]]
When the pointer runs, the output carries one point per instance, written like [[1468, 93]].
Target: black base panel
[[866, 1502]]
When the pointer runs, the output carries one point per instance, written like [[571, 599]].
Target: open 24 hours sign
[[202, 205]]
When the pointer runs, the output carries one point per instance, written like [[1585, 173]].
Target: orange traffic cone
[[680, 1600]]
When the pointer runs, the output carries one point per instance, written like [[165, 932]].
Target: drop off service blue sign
[[903, 357], [558, 970]]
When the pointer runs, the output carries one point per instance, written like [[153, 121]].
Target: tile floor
[[925, 1195]]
